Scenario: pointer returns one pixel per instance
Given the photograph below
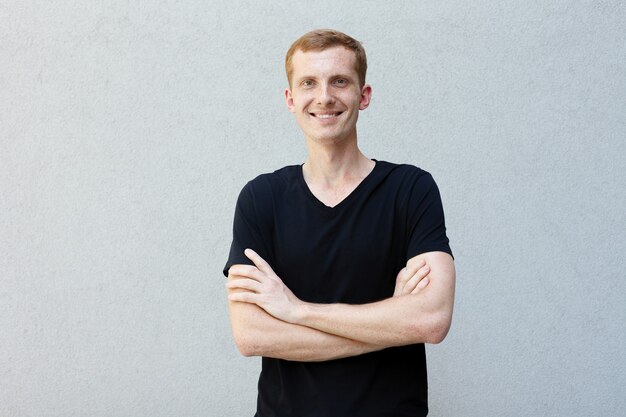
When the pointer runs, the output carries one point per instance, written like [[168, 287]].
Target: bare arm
[[424, 317], [421, 317], [257, 333]]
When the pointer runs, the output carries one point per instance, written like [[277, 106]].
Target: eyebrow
[[334, 76]]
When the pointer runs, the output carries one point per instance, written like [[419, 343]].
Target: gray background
[[127, 130]]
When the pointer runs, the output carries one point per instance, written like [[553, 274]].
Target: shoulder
[[261, 192], [273, 181], [405, 175], [413, 187]]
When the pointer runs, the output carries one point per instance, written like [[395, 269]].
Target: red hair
[[321, 39]]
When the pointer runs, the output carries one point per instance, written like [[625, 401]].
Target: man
[[340, 268]]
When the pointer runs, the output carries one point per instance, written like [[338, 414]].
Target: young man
[[340, 268]]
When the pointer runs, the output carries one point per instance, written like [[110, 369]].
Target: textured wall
[[128, 128]]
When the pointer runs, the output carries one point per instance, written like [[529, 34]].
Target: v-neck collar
[[346, 200]]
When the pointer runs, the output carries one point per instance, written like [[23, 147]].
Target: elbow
[[439, 328], [246, 345], [434, 331], [245, 349], [438, 333]]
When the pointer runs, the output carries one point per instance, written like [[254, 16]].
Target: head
[[326, 95], [322, 39]]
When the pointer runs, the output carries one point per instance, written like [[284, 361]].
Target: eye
[[341, 82], [307, 83]]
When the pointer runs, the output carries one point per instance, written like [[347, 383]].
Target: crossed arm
[[269, 320]]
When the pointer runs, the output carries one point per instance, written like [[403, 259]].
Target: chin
[[328, 139]]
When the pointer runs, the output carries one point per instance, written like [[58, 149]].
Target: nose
[[325, 95]]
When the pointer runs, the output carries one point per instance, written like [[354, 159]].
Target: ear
[[289, 101], [366, 97]]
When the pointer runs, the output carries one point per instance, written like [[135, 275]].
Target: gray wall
[[128, 128]]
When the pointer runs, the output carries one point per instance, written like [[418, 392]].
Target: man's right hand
[[412, 278]]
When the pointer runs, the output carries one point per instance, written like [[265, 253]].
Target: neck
[[335, 164]]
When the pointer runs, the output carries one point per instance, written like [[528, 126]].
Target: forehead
[[331, 61]]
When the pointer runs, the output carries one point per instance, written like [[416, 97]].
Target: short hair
[[322, 39]]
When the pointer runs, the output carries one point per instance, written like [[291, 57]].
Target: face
[[325, 95]]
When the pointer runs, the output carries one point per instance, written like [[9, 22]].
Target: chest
[[348, 255], [332, 196]]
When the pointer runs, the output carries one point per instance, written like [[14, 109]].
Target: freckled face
[[325, 95]]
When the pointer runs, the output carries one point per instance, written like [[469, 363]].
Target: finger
[[257, 260], [414, 281], [413, 267], [248, 271], [405, 275], [243, 297], [408, 271], [401, 280], [244, 284], [421, 285]]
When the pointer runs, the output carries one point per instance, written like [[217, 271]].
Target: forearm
[[257, 333], [395, 321], [424, 317]]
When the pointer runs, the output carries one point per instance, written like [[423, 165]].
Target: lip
[[326, 115]]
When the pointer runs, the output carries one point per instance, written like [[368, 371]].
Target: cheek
[[303, 103]]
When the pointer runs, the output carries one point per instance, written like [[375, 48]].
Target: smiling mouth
[[326, 115]]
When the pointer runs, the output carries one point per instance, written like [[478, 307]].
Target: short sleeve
[[248, 230], [426, 225]]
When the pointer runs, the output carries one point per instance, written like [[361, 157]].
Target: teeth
[[326, 116]]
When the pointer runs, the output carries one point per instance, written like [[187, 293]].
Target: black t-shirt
[[350, 253]]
